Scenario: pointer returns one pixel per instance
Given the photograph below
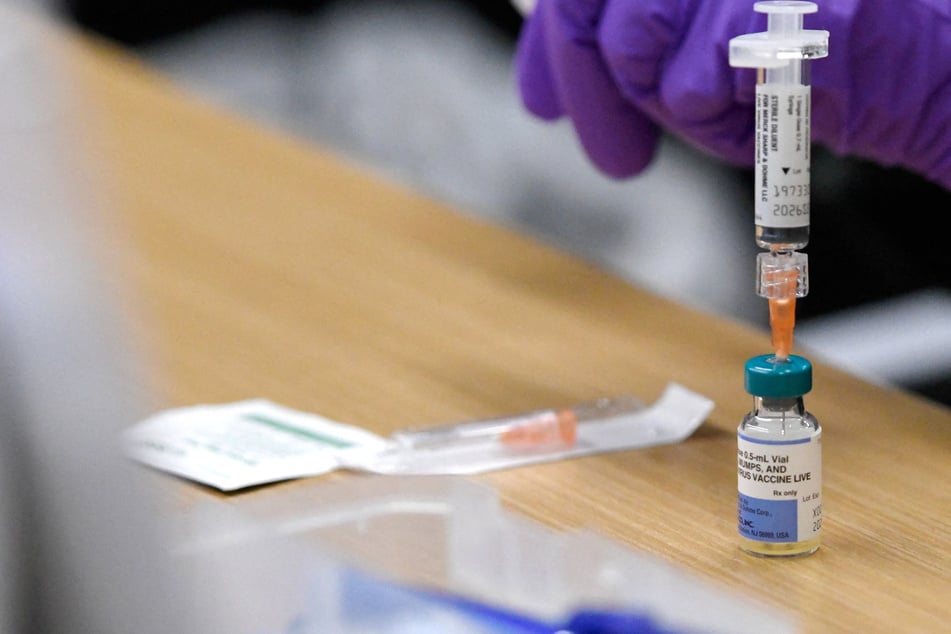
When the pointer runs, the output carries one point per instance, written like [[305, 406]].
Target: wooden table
[[265, 267]]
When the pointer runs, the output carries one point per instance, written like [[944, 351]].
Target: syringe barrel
[[783, 99], [782, 162]]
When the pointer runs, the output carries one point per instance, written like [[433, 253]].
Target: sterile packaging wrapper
[[248, 443]]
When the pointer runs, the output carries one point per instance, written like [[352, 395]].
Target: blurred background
[[423, 92]]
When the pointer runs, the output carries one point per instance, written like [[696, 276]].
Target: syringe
[[531, 430], [781, 56]]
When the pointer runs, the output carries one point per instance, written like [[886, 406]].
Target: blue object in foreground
[[364, 603], [501, 621]]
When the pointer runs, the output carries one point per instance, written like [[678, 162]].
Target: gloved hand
[[621, 70]]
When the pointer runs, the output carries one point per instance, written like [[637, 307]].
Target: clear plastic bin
[[303, 559]]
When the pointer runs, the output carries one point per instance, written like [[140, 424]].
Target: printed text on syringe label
[[782, 155], [780, 489]]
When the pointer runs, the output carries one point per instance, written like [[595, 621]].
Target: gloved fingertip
[[534, 77], [538, 98], [621, 167], [624, 151]]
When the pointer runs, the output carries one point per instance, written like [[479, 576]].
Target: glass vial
[[779, 461]]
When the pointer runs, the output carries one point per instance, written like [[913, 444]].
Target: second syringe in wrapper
[[532, 430]]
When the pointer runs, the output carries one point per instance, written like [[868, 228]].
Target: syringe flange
[[782, 274], [784, 39]]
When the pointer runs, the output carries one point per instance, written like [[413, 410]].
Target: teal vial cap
[[768, 376]]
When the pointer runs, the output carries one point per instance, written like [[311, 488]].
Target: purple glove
[[622, 69]]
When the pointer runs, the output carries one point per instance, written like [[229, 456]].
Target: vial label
[[782, 155], [780, 488]]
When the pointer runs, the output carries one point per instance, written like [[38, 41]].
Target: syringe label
[[779, 485], [782, 155]]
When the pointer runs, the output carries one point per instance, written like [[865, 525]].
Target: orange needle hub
[[782, 311]]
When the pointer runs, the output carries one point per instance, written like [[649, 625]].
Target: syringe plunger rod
[[783, 41], [781, 23]]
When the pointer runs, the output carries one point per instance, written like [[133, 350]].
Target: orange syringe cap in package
[[541, 428], [546, 428]]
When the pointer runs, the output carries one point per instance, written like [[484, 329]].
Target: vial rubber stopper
[[767, 376]]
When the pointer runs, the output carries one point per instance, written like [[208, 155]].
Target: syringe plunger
[[784, 39]]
